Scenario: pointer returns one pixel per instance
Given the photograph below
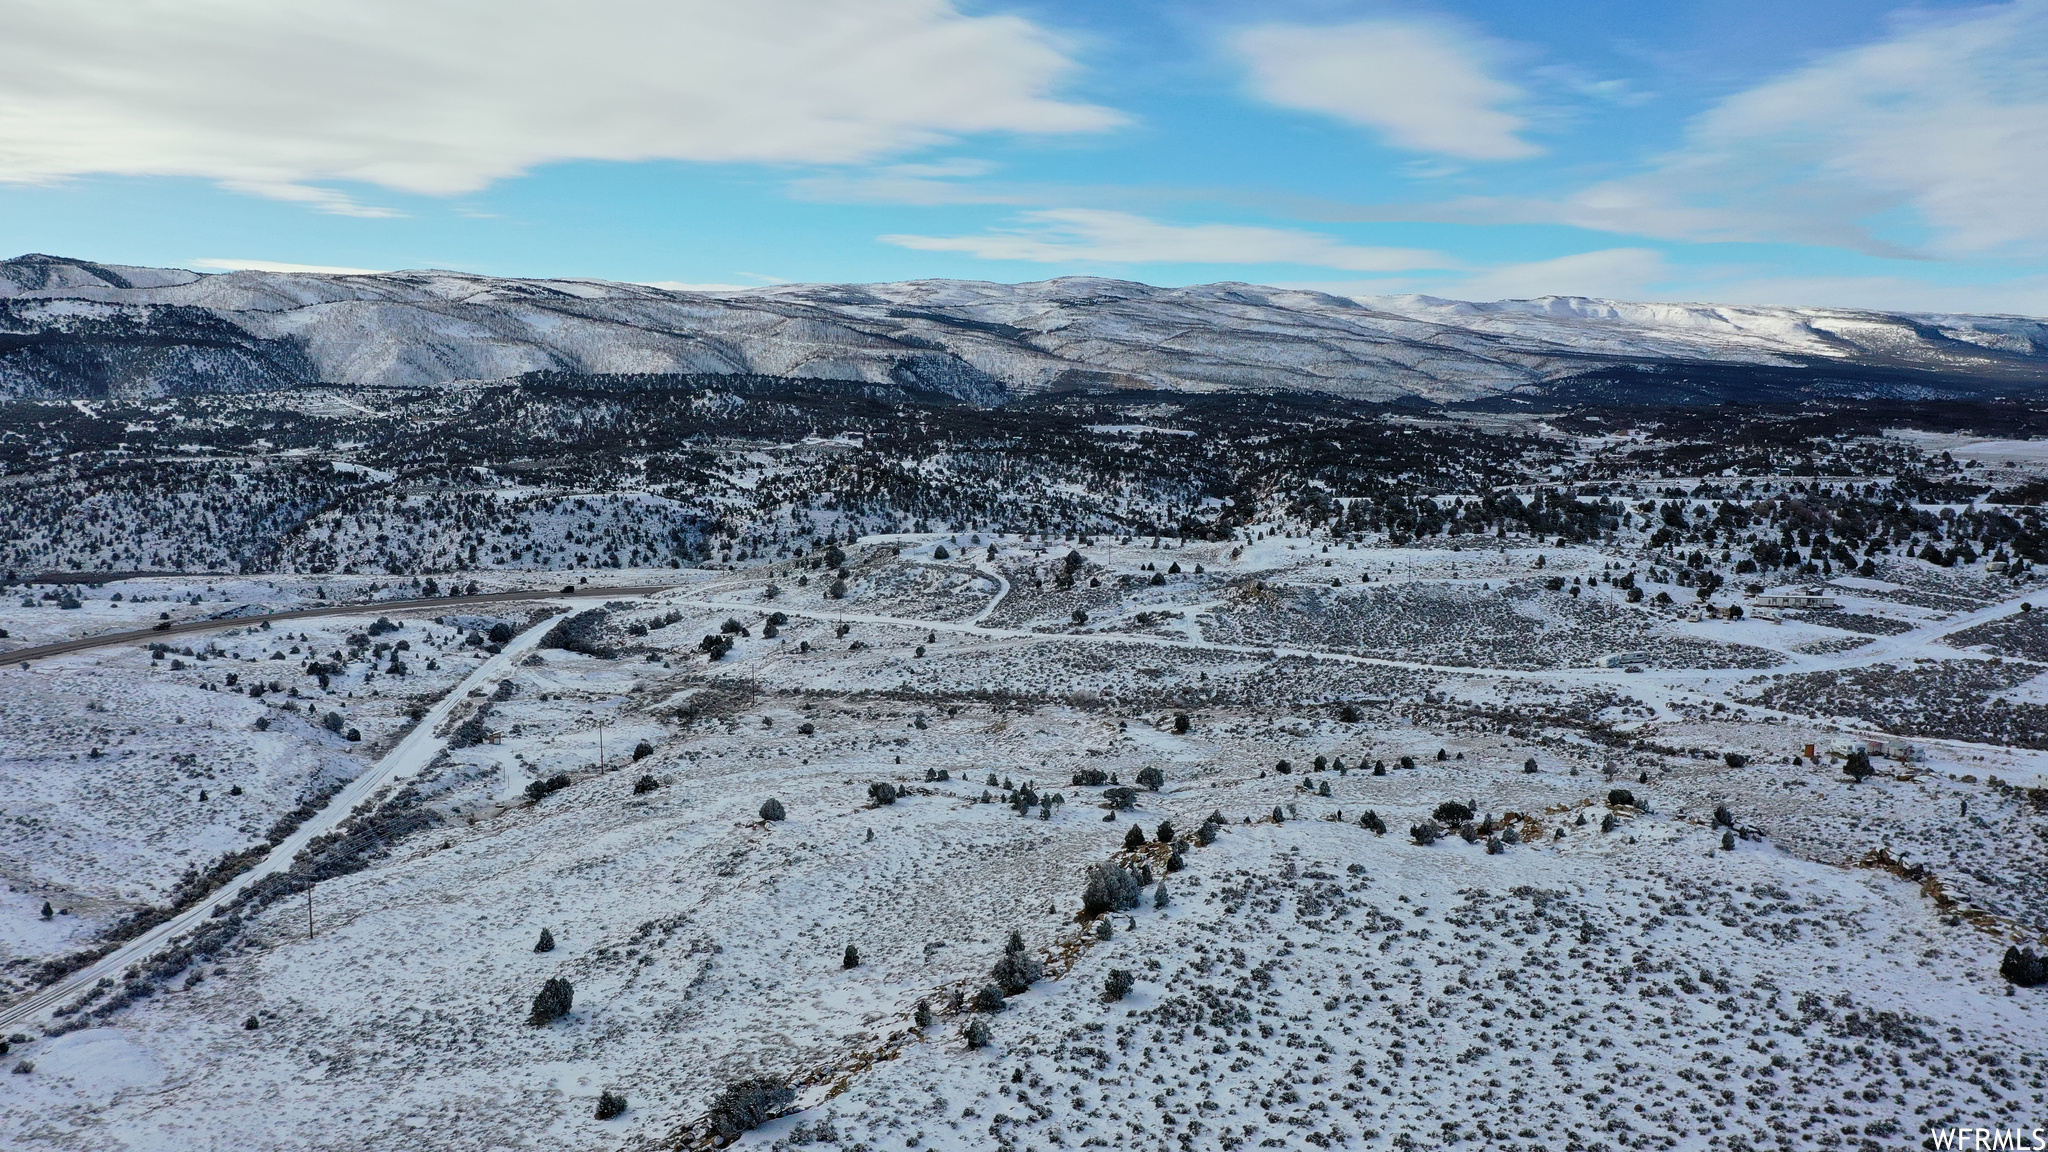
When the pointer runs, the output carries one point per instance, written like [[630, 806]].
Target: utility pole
[[309, 913], [600, 745]]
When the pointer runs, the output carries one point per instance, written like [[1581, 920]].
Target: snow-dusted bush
[[610, 1104], [977, 1033], [552, 1002], [546, 943], [882, 792], [746, 1105], [851, 959], [989, 999], [1135, 838], [1017, 970], [1372, 823], [771, 809], [1118, 985], [1150, 777], [1110, 888], [1424, 833]]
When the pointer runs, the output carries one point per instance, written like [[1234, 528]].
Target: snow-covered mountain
[[72, 328]]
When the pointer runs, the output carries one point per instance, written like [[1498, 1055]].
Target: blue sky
[[1796, 152]]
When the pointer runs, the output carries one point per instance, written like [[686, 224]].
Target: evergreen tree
[[609, 1104], [1118, 985], [851, 959], [771, 809], [1135, 838], [552, 1002], [546, 943]]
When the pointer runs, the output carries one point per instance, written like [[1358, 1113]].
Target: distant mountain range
[[73, 329]]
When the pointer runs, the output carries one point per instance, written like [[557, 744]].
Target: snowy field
[[1603, 964]]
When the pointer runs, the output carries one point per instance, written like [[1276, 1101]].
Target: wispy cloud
[[1096, 236], [1422, 86], [284, 100], [230, 264], [1931, 143]]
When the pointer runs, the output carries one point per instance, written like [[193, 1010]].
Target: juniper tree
[[977, 1033], [552, 1002], [1372, 823], [644, 785], [610, 1104], [1135, 838], [921, 1014], [1424, 834], [1159, 897], [989, 999], [1110, 888], [1728, 841], [772, 809], [1017, 970], [1118, 985], [851, 959], [546, 943], [746, 1105], [1723, 817], [1151, 778]]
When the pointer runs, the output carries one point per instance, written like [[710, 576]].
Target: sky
[[1815, 152]]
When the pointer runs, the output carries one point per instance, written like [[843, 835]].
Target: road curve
[[107, 639]]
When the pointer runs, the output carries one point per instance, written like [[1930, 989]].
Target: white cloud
[[1613, 273], [680, 286], [1096, 236], [228, 264], [280, 97], [1420, 85], [1944, 124]]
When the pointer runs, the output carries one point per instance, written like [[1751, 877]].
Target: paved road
[[106, 639], [413, 753]]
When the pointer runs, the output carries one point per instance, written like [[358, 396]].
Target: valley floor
[[1833, 977]]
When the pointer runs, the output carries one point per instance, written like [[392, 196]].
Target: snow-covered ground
[[1832, 978]]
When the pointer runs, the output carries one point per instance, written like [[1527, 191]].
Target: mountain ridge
[[76, 329]]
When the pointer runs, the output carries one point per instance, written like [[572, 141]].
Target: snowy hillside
[[73, 329]]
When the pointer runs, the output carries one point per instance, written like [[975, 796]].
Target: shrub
[[989, 999], [1181, 723], [1529, 765], [1349, 714], [1135, 838], [1451, 813], [1493, 846], [977, 1033], [1175, 861], [1858, 766], [1407, 761], [771, 809], [1118, 985], [1734, 759], [332, 722], [1118, 799], [1151, 778], [1159, 897], [642, 750], [921, 1014], [2023, 968], [609, 1104], [1090, 778], [552, 1002], [882, 792], [1372, 823], [1609, 822], [546, 943], [1165, 833], [1283, 767], [1728, 841], [851, 959], [1110, 888], [746, 1105], [1723, 817], [1016, 972], [1620, 797], [1424, 833], [644, 785]]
